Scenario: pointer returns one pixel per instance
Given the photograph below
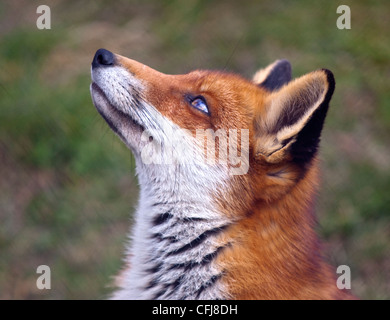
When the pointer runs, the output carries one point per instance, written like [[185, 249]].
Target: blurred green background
[[67, 184]]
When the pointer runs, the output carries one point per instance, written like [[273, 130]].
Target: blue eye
[[200, 104]]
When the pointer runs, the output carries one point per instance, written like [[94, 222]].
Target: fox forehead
[[216, 82], [232, 99]]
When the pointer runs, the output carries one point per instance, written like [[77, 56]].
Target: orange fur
[[276, 252]]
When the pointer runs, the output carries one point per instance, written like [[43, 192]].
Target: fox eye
[[200, 104]]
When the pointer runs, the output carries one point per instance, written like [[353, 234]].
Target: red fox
[[238, 227]]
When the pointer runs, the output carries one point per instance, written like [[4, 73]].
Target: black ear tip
[[331, 81], [279, 75], [329, 75], [283, 67], [284, 63]]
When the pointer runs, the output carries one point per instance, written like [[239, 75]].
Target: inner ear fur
[[290, 124]]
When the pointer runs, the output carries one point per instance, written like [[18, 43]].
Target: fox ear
[[289, 127], [275, 76]]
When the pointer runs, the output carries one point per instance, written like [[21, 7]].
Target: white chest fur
[[174, 242]]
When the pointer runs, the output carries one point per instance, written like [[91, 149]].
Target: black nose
[[103, 58]]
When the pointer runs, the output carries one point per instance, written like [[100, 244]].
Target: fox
[[243, 228]]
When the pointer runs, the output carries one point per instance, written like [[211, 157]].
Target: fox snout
[[116, 95], [103, 58]]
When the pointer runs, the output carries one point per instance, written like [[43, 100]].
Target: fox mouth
[[114, 117]]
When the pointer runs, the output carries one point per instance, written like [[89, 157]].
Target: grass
[[68, 187]]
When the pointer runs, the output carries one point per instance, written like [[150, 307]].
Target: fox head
[[277, 120]]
